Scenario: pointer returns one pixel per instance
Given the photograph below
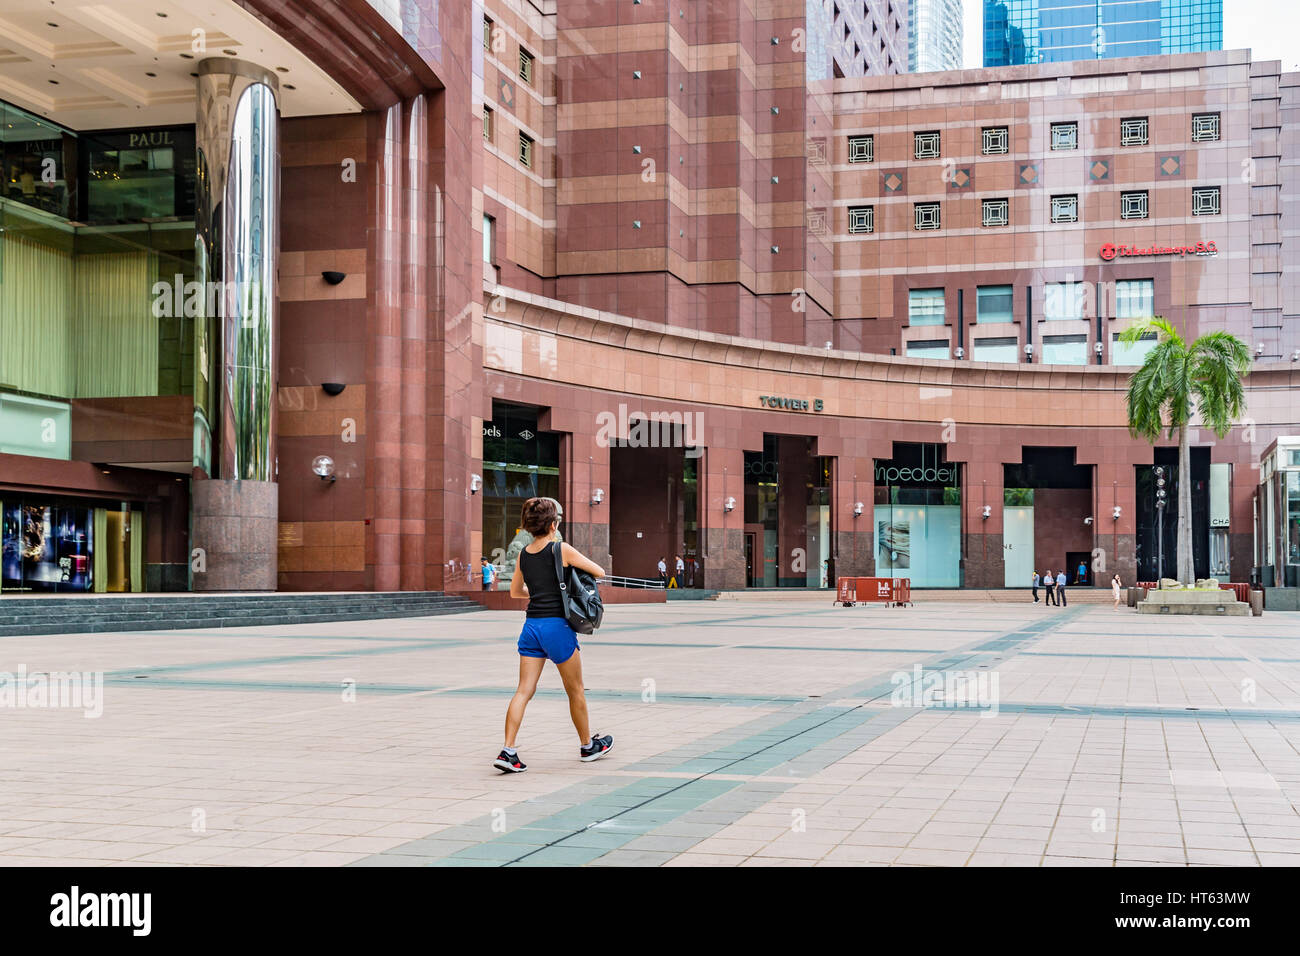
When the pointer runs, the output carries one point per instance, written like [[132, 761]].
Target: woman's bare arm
[[517, 587], [575, 558]]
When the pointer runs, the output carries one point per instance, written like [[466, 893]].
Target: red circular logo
[[1108, 251]]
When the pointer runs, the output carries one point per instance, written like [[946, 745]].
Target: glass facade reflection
[[918, 516], [1053, 31], [519, 462]]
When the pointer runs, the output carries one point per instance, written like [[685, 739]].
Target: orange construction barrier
[[892, 592]]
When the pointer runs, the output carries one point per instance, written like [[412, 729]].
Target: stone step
[[75, 615]]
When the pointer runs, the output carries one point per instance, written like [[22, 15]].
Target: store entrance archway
[[1047, 517]]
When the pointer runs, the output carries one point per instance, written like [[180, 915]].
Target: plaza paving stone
[[747, 734]]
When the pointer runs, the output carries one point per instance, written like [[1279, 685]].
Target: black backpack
[[583, 607]]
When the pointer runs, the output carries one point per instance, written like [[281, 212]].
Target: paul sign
[[1111, 251]]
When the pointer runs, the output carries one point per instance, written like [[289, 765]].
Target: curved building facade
[[715, 277]]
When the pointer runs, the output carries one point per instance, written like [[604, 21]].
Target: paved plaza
[[747, 733]]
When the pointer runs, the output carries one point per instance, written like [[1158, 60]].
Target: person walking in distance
[[681, 572], [546, 634], [1035, 587], [1049, 587], [489, 574], [1060, 588], [1115, 587], [663, 571]]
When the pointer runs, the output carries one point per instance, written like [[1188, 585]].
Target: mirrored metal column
[[237, 213]]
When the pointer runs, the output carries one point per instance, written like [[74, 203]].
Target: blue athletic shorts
[[548, 637]]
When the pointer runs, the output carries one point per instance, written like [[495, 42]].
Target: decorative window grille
[[526, 150], [925, 145], [862, 149], [1133, 132], [862, 219], [996, 212], [1065, 136], [1133, 205], [1065, 209], [997, 140], [487, 123], [1205, 201], [927, 216], [525, 65]]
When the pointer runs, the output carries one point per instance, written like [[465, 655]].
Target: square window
[[1135, 299], [997, 140], [926, 216], [1133, 131], [995, 212], [1065, 136], [931, 349], [1205, 201], [525, 65], [925, 145], [1205, 127], [1063, 301], [862, 149], [1065, 349], [862, 219], [1065, 208], [993, 303], [925, 307], [526, 150], [1133, 205]]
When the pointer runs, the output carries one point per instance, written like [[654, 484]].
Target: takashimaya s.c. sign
[[1111, 250]]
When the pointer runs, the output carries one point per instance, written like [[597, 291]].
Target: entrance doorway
[[750, 544], [1047, 509]]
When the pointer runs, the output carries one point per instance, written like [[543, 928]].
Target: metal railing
[[613, 580]]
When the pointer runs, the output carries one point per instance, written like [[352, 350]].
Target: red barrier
[[893, 592], [1242, 591]]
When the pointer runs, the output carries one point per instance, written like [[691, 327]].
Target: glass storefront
[[787, 515], [918, 516], [519, 462], [70, 547]]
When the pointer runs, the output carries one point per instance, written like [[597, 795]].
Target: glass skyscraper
[[934, 35], [1051, 31]]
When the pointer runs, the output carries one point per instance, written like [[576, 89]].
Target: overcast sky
[[1270, 28]]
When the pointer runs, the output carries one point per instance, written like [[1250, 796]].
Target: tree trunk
[[1186, 568]]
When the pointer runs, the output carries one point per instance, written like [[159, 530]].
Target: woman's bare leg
[[571, 674], [530, 669]]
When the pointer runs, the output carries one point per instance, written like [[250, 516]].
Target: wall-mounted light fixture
[[323, 467], [987, 512], [475, 483], [960, 353], [1259, 350], [333, 278], [597, 496], [728, 505], [1029, 348], [332, 388], [1096, 347], [857, 509]]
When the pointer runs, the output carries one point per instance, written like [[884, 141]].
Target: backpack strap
[[559, 576]]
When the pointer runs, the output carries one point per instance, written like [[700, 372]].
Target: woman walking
[[1115, 587], [547, 634]]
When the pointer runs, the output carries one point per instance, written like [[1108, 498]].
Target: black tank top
[[543, 589]]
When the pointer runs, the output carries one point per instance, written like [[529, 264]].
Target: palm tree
[[1209, 371]]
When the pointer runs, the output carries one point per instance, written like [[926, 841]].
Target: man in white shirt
[[681, 571], [1060, 588], [663, 571]]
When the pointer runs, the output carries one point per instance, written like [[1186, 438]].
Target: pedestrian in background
[[1116, 585], [1035, 587], [489, 574], [663, 571], [1049, 587], [1060, 588]]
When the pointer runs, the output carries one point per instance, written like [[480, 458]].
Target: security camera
[[1116, 513], [1096, 347], [988, 512], [1088, 520]]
